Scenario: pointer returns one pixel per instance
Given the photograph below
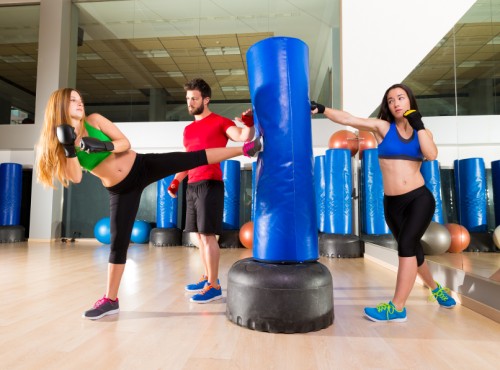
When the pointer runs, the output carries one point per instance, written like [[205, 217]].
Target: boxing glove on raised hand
[[66, 136], [93, 145], [414, 119], [314, 105], [173, 188]]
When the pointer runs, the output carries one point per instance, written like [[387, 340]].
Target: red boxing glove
[[173, 188], [247, 120]]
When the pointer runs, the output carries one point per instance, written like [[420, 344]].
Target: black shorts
[[205, 207]]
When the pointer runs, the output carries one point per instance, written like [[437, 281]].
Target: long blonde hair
[[51, 160]]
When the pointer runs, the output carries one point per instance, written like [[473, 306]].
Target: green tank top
[[89, 161]]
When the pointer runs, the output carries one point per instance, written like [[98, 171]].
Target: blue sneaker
[[208, 294], [385, 312], [442, 295], [196, 287]]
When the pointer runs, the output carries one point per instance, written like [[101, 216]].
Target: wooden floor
[[46, 287]]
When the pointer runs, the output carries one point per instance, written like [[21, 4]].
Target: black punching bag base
[[12, 234], [280, 298], [340, 246], [165, 237]]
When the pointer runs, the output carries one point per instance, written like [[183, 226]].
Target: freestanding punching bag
[[319, 185], [11, 175], [495, 179], [282, 288], [430, 172], [470, 187], [338, 240], [166, 232], [231, 215]]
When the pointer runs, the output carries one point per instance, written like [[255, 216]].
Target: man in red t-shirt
[[205, 190]]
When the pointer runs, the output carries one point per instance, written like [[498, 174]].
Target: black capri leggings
[[408, 216], [124, 197]]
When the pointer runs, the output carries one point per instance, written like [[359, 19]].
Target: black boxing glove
[[66, 136], [93, 145], [415, 119], [320, 107]]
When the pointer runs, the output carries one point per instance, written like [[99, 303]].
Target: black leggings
[[408, 216], [124, 197]]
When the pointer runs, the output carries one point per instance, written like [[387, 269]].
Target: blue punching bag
[[430, 172], [338, 189], [285, 228], [470, 187], [319, 185], [166, 206], [495, 179], [231, 177], [372, 207], [11, 177]]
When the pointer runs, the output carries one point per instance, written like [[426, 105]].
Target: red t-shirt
[[209, 132]]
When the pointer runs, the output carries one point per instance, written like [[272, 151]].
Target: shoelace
[[385, 307], [207, 288], [442, 293], [100, 302]]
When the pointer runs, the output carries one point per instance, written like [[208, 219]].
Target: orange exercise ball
[[460, 237], [366, 140], [246, 235], [344, 139]]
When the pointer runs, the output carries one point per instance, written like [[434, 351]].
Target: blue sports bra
[[394, 146]]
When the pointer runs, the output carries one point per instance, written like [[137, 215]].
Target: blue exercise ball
[[140, 232], [102, 230]]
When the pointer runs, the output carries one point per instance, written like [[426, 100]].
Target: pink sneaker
[[102, 307]]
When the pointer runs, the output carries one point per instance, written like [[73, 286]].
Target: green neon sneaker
[[442, 295], [385, 312]]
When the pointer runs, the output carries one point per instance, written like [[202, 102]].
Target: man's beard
[[197, 111]]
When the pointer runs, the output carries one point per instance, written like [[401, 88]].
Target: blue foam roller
[[231, 177], [338, 190], [470, 187], [285, 228], [495, 179], [432, 177], [372, 199], [319, 185], [166, 206], [11, 186]]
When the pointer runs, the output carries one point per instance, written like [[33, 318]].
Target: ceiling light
[[469, 64], [17, 59], [88, 56], [158, 53], [107, 76], [222, 51], [168, 74], [229, 72]]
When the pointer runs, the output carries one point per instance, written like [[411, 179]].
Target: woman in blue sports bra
[[70, 141], [403, 143]]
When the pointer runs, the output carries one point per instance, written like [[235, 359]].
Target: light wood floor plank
[[45, 287]]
